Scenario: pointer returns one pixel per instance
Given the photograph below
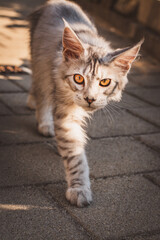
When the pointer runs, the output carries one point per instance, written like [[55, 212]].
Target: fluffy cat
[[75, 72]]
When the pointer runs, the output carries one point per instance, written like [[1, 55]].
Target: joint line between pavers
[[123, 136], [18, 85], [126, 174], [74, 218], [6, 105], [143, 118], [134, 95], [153, 148], [43, 184], [150, 179]]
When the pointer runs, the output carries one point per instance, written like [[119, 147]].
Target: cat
[[75, 72]]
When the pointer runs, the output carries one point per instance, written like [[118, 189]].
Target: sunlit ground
[[21, 207], [14, 37]]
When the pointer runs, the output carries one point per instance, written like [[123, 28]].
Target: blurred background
[[131, 19]]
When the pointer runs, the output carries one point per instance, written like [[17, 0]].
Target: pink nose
[[89, 100]]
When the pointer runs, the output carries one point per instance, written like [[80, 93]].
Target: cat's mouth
[[90, 108]]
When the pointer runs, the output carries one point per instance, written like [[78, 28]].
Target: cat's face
[[94, 85], [95, 78]]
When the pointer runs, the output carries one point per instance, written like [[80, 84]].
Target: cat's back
[[50, 17]]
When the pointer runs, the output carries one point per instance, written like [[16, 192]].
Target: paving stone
[[24, 82], [149, 95], [152, 140], [150, 80], [131, 84], [122, 123], [19, 129], [121, 207], [7, 86], [118, 156], [25, 164], [151, 114], [144, 237], [4, 110], [130, 102], [17, 102], [154, 177], [27, 214]]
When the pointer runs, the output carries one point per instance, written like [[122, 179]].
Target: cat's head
[[93, 75]]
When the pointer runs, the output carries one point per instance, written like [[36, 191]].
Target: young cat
[[75, 72]]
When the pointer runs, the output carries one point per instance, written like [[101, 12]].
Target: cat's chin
[[89, 109]]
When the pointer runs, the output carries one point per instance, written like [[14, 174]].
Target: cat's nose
[[89, 100]]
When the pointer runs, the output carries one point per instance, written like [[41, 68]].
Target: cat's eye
[[105, 82], [79, 79]]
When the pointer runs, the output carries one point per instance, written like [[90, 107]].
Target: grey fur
[[111, 56]]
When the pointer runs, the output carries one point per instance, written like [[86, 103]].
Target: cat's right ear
[[72, 46]]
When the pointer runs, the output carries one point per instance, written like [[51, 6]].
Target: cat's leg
[[44, 118], [70, 140], [31, 103], [44, 114], [77, 172]]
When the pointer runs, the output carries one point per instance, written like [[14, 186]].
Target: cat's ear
[[72, 46], [126, 57]]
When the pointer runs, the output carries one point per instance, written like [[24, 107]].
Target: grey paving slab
[[7, 86], [152, 140], [4, 110], [147, 80], [118, 156], [129, 102], [122, 207], [154, 177], [151, 114], [121, 123], [149, 95], [27, 214], [19, 129], [131, 84], [28, 164], [24, 82], [17, 102], [144, 237], [38, 162]]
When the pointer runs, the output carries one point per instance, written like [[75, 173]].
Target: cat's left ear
[[126, 58], [72, 46]]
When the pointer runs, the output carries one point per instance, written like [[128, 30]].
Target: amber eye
[[79, 79], [105, 82]]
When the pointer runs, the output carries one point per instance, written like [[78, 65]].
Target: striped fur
[[65, 42]]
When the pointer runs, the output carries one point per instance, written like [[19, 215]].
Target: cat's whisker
[[108, 115], [128, 105], [113, 112], [116, 109]]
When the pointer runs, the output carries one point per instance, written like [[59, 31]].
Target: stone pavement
[[123, 154]]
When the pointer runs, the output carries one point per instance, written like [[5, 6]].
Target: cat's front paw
[[46, 130], [80, 196]]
